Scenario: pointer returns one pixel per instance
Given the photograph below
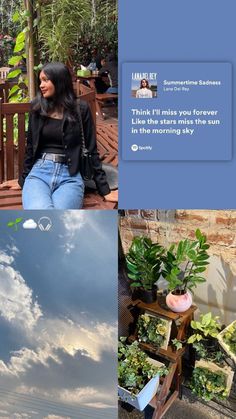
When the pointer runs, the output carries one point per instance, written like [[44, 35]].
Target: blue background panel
[[183, 31]]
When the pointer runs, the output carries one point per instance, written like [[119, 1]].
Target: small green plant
[[152, 329], [208, 384], [134, 368], [185, 262], [229, 337], [177, 344], [204, 339], [208, 326], [144, 261]]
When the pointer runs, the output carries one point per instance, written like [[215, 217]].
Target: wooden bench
[[101, 99], [11, 157], [4, 72]]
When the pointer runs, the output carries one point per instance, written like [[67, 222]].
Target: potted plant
[[227, 339], [138, 375], [204, 337], [144, 261], [211, 381], [183, 265], [154, 330]]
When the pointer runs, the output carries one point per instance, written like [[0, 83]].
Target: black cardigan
[[71, 143]]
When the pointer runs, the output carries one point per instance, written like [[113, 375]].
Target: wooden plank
[[12, 108], [21, 141], [107, 140], [10, 146], [2, 168]]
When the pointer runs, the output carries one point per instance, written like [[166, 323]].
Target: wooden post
[[29, 6]]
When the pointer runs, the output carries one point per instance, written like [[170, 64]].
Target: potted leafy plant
[[154, 330], [204, 337], [144, 261], [183, 265], [138, 375], [211, 381], [227, 339]]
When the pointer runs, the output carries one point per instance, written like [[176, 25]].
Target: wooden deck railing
[[12, 132], [12, 148]]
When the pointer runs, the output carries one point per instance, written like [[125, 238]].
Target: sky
[[58, 315]]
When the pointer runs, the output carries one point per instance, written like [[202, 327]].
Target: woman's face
[[46, 86], [144, 83]]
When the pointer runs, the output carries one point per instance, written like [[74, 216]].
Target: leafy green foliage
[[101, 35], [6, 49], [184, 263], [208, 326], [204, 339], [19, 92], [151, 330], [144, 261], [177, 343], [134, 369], [229, 337], [209, 384], [61, 22], [9, 29]]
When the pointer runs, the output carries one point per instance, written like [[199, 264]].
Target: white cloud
[[30, 224], [91, 339], [88, 396], [16, 298], [49, 335], [13, 249], [56, 417], [21, 360], [4, 258], [73, 220], [68, 247]]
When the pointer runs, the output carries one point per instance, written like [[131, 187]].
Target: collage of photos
[[109, 310]]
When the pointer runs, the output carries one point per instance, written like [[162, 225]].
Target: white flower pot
[[179, 303], [141, 400]]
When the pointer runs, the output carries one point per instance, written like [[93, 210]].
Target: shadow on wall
[[218, 293]]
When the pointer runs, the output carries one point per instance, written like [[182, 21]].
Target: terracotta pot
[[179, 303]]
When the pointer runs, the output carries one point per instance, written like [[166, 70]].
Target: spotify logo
[[134, 147]]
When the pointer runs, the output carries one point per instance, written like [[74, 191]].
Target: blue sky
[[58, 316]]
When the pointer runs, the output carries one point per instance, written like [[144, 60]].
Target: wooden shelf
[[171, 384]]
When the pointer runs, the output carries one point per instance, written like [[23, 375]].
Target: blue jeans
[[113, 90], [49, 185]]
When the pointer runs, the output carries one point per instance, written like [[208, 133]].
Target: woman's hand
[[112, 196]]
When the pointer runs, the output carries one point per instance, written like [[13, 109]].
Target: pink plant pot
[[179, 303]]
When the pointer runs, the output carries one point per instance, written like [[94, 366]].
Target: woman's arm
[[91, 144]]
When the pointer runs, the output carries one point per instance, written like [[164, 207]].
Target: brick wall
[[218, 294]]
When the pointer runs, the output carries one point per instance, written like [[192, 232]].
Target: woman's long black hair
[[64, 96]]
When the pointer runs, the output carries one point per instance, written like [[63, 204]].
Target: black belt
[[57, 158]]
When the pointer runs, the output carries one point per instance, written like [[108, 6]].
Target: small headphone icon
[[44, 223]]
